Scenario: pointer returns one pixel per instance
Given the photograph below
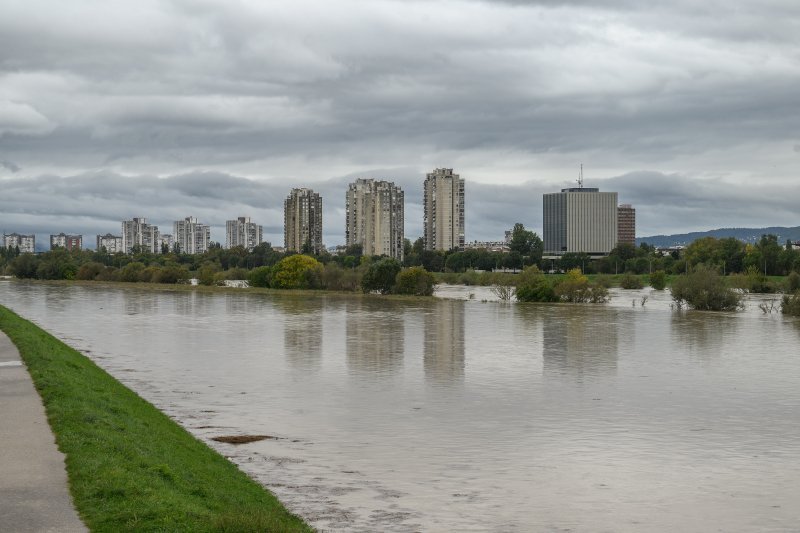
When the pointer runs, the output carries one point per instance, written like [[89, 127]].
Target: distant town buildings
[[69, 242], [25, 243], [490, 246], [191, 237], [302, 221], [111, 243], [137, 232], [443, 204], [626, 225], [579, 220], [243, 232], [375, 217]]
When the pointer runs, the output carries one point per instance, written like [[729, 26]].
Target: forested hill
[[744, 234]]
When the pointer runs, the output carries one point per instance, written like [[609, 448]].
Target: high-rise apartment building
[[25, 243], [111, 243], [444, 210], [70, 242], [375, 217], [302, 221], [166, 243], [242, 232], [626, 224], [579, 220], [137, 232], [191, 237]]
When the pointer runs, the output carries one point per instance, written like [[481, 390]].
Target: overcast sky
[[215, 109]]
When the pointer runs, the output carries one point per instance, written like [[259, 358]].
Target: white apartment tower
[[444, 210], [242, 232], [579, 220], [375, 217], [190, 236], [26, 243], [302, 221], [111, 243], [138, 232]]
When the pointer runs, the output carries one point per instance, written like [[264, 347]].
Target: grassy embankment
[[130, 467]]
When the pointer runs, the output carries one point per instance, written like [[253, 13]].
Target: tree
[[704, 289], [296, 272], [533, 286], [526, 243], [381, 276], [658, 280], [415, 280], [260, 276]]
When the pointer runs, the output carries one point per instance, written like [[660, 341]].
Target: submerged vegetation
[[130, 467], [704, 289]]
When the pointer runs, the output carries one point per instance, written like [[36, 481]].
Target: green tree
[[260, 276], [297, 272], [380, 276], [704, 289], [414, 280], [533, 286], [658, 280]]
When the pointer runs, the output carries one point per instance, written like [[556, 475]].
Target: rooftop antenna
[[580, 178]]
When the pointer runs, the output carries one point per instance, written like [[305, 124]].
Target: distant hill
[[743, 234]]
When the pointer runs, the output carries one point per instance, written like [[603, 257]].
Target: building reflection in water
[[704, 335], [580, 343], [375, 331], [302, 331], [444, 342]]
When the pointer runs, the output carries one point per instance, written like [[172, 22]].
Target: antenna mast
[[580, 178]]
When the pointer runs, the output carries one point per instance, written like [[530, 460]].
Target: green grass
[[130, 467]]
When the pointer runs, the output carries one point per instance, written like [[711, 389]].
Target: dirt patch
[[242, 439]]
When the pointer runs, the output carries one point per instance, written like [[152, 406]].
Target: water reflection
[[140, 302], [703, 333], [375, 332], [444, 341], [302, 332], [576, 343]]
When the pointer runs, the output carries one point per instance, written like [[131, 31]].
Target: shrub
[[602, 280], [752, 280], [533, 286], [415, 280], [704, 289], [24, 266], [90, 270], [131, 272], [206, 274], [790, 305], [630, 281], [336, 278], [297, 272], [793, 282], [108, 274], [260, 276], [170, 274], [380, 276], [658, 280]]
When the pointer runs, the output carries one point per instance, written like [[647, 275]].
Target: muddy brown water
[[459, 414]]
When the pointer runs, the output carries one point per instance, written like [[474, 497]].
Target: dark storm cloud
[[299, 92]]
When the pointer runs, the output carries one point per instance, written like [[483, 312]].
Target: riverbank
[[129, 466]]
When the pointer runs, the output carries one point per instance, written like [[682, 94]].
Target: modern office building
[[444, 210], [302, 221], [137, 232], [579, 220], [191, 237], [375, 217], [626, 225], [25, 243], [111, 243], [243, 232], [70, 242]]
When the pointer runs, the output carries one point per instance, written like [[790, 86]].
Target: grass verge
[[130, 467]]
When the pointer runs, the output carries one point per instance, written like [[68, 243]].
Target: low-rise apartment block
[[70, 242], [25, 243], [112, 244]]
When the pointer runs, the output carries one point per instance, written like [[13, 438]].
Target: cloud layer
[[513, 95]]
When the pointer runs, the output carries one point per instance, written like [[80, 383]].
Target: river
[[460, 413]]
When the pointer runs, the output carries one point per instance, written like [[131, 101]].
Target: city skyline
[[688, 111]]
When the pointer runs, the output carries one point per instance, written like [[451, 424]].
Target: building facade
[[25, 243], [190, 236], [243, 232], [626, 225], [70, 242], [375, 217], [444, 210], [111, 243], [166, 243], [137, 232], [579, 220], [302, 221]]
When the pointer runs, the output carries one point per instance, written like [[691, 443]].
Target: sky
[[215, 109]]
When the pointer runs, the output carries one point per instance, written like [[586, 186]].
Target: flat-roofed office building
[[580, 219]]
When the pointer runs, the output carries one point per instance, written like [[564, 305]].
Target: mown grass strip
[[130, 467]]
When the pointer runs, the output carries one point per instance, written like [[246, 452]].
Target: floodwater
[[462, 414]]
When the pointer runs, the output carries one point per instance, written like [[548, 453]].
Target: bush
[[790, 305], [704, 289], [415, 280], [752, 280], [170, 274], [260, 276], [602, 280], [658, 280], [297, 272], [533, 286], [206, 274], [90, 270], [793, 282], [630, 281], [131, 272], [336, 278], [24, 266], [380, 276], [575, 288], [108, 274]]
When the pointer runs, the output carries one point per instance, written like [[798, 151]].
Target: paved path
[[33, 479]]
